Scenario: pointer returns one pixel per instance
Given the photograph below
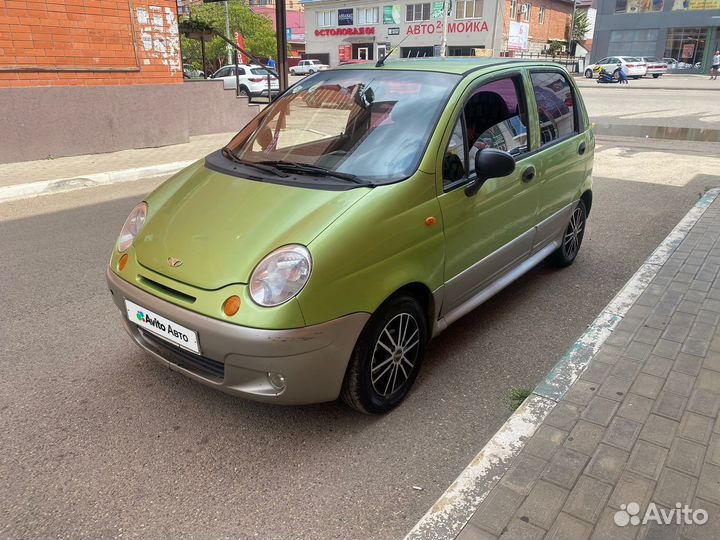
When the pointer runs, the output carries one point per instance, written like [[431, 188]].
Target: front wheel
[[588, 73], [572, 238], [311, 71], [387, 357], [292, 72]]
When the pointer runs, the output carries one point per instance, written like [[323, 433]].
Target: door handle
[[528, 174], [582, 148]]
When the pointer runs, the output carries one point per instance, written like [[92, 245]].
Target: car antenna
[[381, 62]]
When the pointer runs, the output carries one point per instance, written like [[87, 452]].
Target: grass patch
[[516, 396]]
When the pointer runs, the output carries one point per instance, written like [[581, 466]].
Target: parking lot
[[98, 440]]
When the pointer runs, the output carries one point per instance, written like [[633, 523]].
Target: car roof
[[453, 64]]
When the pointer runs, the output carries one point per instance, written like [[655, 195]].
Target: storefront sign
[[452, 28], [362, 31], [394, 31], [391, 15], [518, 36], [345, 52], [345, 17]]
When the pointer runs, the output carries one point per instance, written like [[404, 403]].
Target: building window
[[513, 9], [633, 42], [639, 6], [541, 15], [417, 12], [326, 18], [367, 15], [685, 47], [469, 9], [526, 12]]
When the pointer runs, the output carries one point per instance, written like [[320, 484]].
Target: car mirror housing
[[490, 163]]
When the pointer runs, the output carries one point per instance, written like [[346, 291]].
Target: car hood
[[221, 226]]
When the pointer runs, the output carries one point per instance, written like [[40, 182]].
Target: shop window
[[469, 9], [417, 12], [326, 18], [685, 48]]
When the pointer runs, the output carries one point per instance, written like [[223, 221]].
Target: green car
[[351, 221]]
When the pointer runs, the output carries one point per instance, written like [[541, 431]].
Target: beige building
[[337, 31]]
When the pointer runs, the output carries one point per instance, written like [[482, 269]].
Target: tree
[[581, 26], [257, 30]]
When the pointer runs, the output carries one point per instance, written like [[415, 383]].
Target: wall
[[476, 32], [78, 42], [72, 120]]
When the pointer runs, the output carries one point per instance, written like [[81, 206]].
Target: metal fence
[[574, 64]]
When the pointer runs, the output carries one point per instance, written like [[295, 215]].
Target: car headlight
[[280, 276], [133, 224]]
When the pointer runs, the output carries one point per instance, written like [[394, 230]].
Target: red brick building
[[547, 20], [98, 76]]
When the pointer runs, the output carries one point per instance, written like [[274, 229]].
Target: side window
[[224, 72], [556, 105], [454, 160], [241, 71], [496, 117]]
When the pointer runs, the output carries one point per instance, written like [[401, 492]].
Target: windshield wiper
[[304, 168], [265, 167]]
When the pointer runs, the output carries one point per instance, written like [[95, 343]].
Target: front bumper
[[237, 359]]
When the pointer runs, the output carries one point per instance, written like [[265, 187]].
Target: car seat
[[483, 111]]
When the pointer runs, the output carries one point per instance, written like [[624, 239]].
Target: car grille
[[205, 367]]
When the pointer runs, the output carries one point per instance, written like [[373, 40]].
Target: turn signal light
[[122, 262], [231, 306]]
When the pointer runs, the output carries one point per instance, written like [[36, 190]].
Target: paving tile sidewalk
[[640, 425], [12, 174]]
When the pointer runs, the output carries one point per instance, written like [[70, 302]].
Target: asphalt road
[[98, 441]]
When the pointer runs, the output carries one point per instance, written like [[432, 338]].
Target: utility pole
[[227, 32], [572, 29], [443, 43], [282, 44]]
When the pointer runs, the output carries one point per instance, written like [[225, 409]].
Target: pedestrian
[[715, 66]]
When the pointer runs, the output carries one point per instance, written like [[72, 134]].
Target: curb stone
[[60, 185], [451, 512]]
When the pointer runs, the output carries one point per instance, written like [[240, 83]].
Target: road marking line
[[451, 512]]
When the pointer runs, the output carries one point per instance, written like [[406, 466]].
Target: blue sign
[[345, 17], [289, 34]]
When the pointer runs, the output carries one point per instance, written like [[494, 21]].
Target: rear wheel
[[311, 71], [572, 237], [656, 75], [244, 92], [616, 74], [589, 73], [387, 357]]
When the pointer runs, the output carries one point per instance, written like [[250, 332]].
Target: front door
[[489, 232], [362, 53]]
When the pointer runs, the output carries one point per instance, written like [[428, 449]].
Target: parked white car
[[655, 67], [630, 65], [251, 78], [306, 67]]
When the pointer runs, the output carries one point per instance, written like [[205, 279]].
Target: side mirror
[[490, 163]]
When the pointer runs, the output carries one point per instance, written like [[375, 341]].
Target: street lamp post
[[227, 32], [443, 43]]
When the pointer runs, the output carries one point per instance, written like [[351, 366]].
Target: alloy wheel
[[395, 354], [574, 233]]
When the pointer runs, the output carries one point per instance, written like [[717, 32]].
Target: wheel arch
[[422, 293], [587, 199]]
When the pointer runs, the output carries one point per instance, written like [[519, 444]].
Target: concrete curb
[[451, 512], [48, 187]]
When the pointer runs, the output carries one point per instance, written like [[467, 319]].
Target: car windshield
[[632, 59], [372, 124], [651, 59]]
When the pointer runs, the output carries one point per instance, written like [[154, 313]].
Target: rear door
[[565, 145]]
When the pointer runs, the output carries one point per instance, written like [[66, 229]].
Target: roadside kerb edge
[[48, 187], [451, 512]]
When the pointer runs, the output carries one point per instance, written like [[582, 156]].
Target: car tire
[[292, 72], [616, 74], [656, 75], [311, 71], [244, 92], [636, 78], [572, 237], [380, 359], [588, 74]]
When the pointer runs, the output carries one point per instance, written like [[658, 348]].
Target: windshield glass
[[369, 123]]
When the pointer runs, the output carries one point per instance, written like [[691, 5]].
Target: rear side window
[[556, 106]]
